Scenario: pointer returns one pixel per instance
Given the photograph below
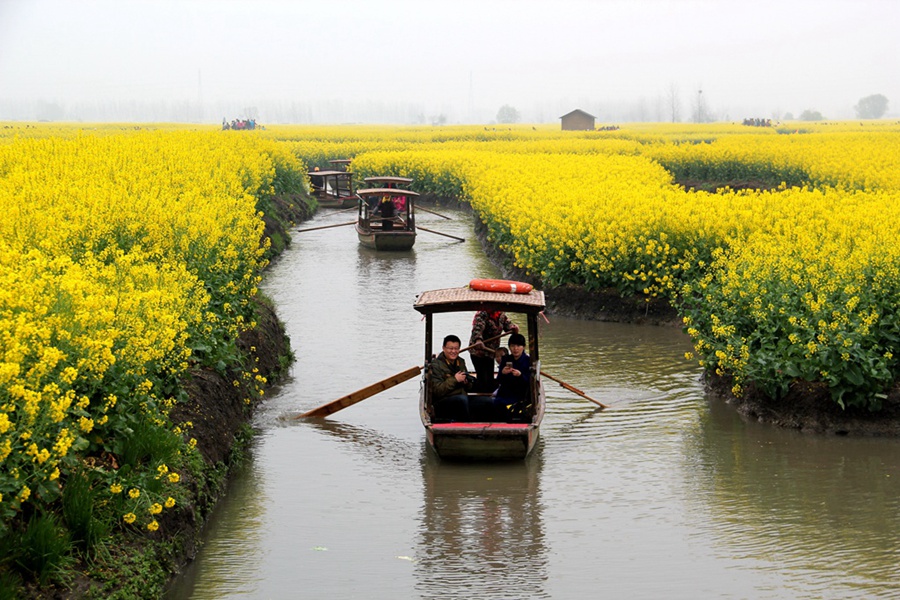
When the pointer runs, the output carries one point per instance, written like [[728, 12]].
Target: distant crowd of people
[[239, 124], [758, 122], [608, 128]]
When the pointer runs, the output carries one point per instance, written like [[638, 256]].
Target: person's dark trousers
[[452, 408], [484, 374]]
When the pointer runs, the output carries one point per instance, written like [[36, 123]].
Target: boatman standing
[[487, 325], [387, 210]]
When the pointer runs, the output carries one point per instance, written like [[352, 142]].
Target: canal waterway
[[666, 494]]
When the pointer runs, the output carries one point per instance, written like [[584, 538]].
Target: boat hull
[[332, 201], [386, 240], [482, 441]]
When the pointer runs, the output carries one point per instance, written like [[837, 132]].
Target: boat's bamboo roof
[[341, 161], [466, 299], [330, 173], [390, 178], [385, 192]]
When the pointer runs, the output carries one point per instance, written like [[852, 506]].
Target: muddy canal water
[[666, 494]]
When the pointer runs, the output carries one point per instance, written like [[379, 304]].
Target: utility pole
[[199, 98], [471, 100]]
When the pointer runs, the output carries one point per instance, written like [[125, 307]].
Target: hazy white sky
[[461, 57]]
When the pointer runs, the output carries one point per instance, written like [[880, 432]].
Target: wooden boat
[[482, 440], [340, 164], [395, 233], [333, 189]]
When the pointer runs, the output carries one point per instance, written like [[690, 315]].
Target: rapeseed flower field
[[129, 256], [794, 279]]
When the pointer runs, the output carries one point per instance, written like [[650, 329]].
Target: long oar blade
[[359, 395], [439, 233], [573, 389], [418, 207], [324, 227]]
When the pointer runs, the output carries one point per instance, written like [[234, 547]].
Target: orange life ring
[[500, 285]]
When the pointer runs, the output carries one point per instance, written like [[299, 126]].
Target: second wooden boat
[[386, 219], [333, 189]]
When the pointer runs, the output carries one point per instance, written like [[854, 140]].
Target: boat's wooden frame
[[483, 440], [333, 189], [370, 229], [340, 164], [388, 181]]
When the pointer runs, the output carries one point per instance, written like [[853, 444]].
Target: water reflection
[[482, 532], [783, 501], [386, 451], [235, 529]]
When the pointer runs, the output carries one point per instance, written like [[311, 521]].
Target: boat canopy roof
[[388, 179], [331, 173], [385, 192], [466, 299], [341, 161]]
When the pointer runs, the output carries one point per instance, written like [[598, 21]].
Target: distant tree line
[[667, 106], [871, 107]]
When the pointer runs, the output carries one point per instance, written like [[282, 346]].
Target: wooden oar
[[368, 391], [490, 339], [432, 212], [439, 233], [324, 227], [573, 389], [359, 395]]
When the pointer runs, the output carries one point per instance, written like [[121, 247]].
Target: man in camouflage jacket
[[487, 325]]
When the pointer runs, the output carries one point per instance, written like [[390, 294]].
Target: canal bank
[[217, 414], [220, 410]]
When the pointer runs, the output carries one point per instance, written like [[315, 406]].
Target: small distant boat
[[340, 164], [386, 219], [482, 440], [333, 189]]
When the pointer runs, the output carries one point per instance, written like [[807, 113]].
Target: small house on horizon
[[577, 120]]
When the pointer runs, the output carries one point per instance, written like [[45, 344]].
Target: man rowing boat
[[487, 327]]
